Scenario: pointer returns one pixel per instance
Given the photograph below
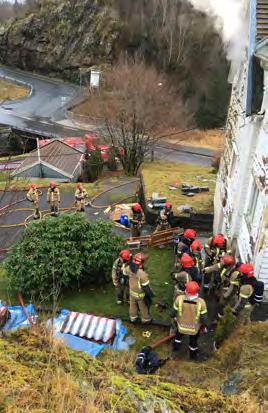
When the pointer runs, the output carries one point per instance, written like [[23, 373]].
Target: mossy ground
[[44, 377], [41, 375], [159, 175], [12, 91]]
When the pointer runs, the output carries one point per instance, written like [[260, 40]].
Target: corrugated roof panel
[[262, 19], [89, 326], [57, 154]]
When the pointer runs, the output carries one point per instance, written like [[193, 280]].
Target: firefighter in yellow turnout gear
[[120, 278], [33, 196], [140, 293], [53, 198], [190, 312], [80, 197]]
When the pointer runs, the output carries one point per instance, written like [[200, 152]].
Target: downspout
[[251, 50]]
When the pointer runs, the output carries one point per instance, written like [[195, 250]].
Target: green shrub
[[225, 326], [93, 167], [57, 253]]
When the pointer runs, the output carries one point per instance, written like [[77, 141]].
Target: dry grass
[[210, 139], [159, 175], [12, 91], [41, 375]]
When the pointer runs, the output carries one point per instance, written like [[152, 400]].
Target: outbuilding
[[55, 160]]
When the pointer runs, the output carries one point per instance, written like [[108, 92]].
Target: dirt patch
[[12, 91]]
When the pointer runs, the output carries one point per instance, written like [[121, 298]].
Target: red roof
[[88, 142]]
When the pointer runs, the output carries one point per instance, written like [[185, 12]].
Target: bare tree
[[136, 105]]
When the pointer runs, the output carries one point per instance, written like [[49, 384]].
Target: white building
[[241, 198]]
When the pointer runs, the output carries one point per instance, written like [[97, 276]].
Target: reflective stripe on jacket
[[53, 195], [137, 281], [79, 195], [189, 313]]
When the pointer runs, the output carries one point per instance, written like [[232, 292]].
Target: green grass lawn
[[159, 175], [101, 300], [6, 182]]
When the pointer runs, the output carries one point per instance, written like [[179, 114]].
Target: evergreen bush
[[59, 253]]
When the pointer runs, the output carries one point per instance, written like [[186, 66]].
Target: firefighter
[[250, 292], [186, 240], [80, 197], [140, 293], [197, 252], [187, 264], [137, 220], [215, 248], [53, 198], [119, 277], [33, 196], [229, 289], [190, 312], [215, 274], [164, 217], [181, 278]]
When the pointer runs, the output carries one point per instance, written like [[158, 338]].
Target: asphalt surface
[[9, 233], [44, 113], [45, 106]]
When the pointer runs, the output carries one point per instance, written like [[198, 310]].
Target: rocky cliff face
[[60, 37]]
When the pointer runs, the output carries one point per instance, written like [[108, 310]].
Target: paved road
[[42, 111], [45, 106]]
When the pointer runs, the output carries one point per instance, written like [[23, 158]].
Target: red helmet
[[190, 233], [125, 255], [187, 261], [34, 186], [52, 185], [196, 245], [247, 269], [219, 240], [78, 185], [168, 205], [137, 208], [139, 258], [228, 260], [192, 288]]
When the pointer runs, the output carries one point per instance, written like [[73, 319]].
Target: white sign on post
[[95, 78]]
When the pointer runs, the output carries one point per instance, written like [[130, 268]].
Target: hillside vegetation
[[41, 375], [58, 37]]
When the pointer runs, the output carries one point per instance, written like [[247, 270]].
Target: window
[[253, 201]]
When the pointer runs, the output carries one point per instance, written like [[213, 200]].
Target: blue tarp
[[87, 346], [19, 319]]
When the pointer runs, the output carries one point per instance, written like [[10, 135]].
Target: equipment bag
[[147, 361]]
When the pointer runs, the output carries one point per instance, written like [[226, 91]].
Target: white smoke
[[230, 21]]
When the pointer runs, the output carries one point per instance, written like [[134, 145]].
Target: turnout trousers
[[80, 205], [54, 207], [136, 306], [122, 293], [193, 343]]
